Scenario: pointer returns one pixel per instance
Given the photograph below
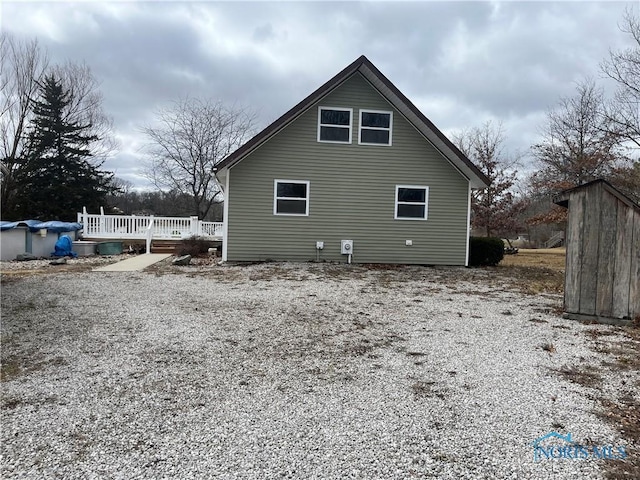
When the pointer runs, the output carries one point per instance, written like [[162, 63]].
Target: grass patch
[[422, 388], [13, 366], [548, 347], [24, 307], [9, 369], [533, 280], [622, 412], [548, 258], [586, 376], [535, 270], [367, 346], [537, 320]]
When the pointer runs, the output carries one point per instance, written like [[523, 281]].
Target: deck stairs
[[171, 247], [556, 240]]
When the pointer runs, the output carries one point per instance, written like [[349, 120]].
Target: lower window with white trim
[[291, 197], [412, 202]]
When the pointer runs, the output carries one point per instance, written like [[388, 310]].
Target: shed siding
[[352, 193], [603, 255], [634, 280], [590, 244], [623, 261], [574, 253], [606, 253]]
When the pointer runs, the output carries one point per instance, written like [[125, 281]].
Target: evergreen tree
[[58, 178]]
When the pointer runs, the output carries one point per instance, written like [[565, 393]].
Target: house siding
[[352, 193]]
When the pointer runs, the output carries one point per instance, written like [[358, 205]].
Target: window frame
[[276, 198], [390, 129], [425, 203], [320, 124]]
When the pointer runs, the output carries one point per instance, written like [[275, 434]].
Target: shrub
[[485, 251], [194, 246]]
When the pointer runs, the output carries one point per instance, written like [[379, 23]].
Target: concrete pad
[[133, 264]]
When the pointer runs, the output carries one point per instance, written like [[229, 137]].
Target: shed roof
[[562, 198], [388, 90]]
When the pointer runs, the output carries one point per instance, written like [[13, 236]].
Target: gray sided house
[[355, 160]]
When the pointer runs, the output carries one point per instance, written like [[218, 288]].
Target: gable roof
[[391, 93], [562, 198]]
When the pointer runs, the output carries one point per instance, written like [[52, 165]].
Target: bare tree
[[623, 66], [121, 195], [578, 145], [22, 66], [85, 107], [495, 209], [189, 139]]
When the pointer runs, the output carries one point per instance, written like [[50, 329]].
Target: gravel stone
[[288, 371]]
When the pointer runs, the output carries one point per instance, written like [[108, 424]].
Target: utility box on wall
[[602, 277], [346, 247]]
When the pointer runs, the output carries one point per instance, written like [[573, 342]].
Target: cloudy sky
[[461, 63]]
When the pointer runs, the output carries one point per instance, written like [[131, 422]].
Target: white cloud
[[461, 63]]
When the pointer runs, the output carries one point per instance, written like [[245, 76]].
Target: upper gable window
[[334, 124], [375, 127]]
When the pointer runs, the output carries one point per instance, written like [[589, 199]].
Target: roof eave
[[563, 197], [290, 115], [476, 178], [362, 64]]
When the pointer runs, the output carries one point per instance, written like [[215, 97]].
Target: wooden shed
[[602, 279]]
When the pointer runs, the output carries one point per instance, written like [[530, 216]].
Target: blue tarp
[[22, 223], [64, 247], [35, 225]]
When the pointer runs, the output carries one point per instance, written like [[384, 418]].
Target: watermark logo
[[554, 446]]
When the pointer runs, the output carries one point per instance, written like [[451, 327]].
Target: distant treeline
[[157, 202]]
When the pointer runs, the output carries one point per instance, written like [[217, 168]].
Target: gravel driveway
[[289, 371]]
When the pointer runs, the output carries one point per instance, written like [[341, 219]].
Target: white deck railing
[[149, 236], [140, 227]]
